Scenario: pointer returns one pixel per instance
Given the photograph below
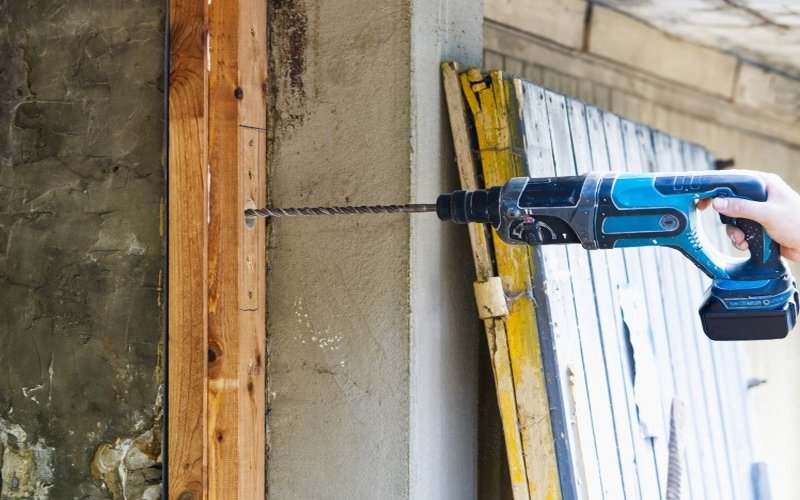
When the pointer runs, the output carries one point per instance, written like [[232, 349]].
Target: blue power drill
[[749, 299]]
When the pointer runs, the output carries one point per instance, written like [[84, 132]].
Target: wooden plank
[[731, 416], [653, 269], [495, 328], [539, 155], [680, 325], [237, 72], [607, 279], [467, 169], [583, 395], [645, 460], [590, 285], [639, 262], [694, 159], [578, 332], [186, 283], [697, 413], [497, 139]]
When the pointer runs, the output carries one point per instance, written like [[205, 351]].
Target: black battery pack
[[720, 323]]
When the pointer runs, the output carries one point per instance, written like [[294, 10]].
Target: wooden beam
[[237, 163], [513, 338], [217, 344], [498, 136], [496, 334], [186, 281]]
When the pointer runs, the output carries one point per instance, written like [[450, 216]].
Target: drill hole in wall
[[249, 220]]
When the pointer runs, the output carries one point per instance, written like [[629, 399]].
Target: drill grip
[[679, 192], [765, 253]]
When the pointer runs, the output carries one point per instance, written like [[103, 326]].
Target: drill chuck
[[462, 207]]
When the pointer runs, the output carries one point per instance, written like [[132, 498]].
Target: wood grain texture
[[217, 167], [694, 159], [187, 214], [567, 271], [496, 334], [554, 314], [589, 337], [592, 285], [467, 167], [499, 140], [644, 452], [679, 331], [608, 274], [641, 267], [236, 265]]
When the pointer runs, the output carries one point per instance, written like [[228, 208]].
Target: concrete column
[[372, 331], [444, 326]]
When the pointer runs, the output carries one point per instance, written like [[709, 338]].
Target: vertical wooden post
[[187, 267], [217, 358], [237, 134]]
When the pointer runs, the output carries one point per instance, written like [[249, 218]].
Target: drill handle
[[764, 252], [637, 210]]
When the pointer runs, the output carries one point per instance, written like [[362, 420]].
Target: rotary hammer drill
[[749, 299]]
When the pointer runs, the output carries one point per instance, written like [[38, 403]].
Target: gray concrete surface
[[444, 329], [81, 182], [372, 377]]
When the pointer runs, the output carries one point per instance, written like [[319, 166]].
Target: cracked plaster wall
[[81, 183]]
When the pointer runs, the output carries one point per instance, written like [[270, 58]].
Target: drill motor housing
[[749, 299]]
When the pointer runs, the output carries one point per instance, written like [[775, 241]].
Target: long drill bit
[[368, 209]]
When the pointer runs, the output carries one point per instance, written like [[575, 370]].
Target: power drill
[[749, 299]]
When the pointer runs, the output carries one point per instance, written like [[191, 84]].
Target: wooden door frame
[[216, 284]]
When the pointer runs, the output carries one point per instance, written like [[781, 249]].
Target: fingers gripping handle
[[765, 253], [680, 191]]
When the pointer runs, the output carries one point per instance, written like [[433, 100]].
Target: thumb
[[740, 208]]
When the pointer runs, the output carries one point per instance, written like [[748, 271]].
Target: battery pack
[[720, 323]]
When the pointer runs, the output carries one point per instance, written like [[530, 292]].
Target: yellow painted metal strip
[[492, 105]]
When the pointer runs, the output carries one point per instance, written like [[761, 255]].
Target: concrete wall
[[81, 183], [731, 106], [372, 341]]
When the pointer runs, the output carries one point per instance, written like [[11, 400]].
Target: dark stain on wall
[[288, 46], [81, 246], [292, 22]]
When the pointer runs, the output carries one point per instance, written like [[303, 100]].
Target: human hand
[[776, 215]]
